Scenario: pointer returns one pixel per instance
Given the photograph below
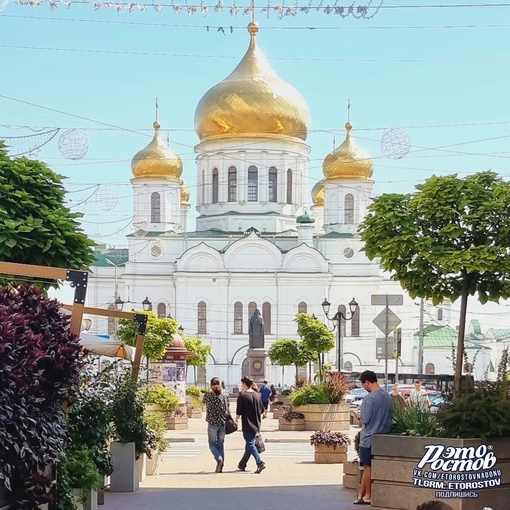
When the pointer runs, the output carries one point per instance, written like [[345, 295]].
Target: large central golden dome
[[252, 101]]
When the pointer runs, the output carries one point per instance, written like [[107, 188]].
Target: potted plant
[[159, 398], [157, 423], [193, 393], [323, 404], [278, 409], [474, 424], [291, 420], [132, 436], [194, 409], [176, 420], [330, 447]]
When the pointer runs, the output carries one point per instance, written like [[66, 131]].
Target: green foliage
[[357, 439], [156, 422], [200, 351], [447, 241], [331, 391], [81, 472], [287, 352], [163, 397], [411, 420], [35, 226], [195, 404], [193, 391], [317, 338], [158, 337], [335, 439]]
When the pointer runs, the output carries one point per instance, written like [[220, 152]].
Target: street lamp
[[119, 304], [146, 304], [337, 321], [115, 266], [181, 329]]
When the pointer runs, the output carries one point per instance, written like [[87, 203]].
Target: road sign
[[387, 299], [386, 321], [380, 347]]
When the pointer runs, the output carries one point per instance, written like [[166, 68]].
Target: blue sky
[[441, 74]]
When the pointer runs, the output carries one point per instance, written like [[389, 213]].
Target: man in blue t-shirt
[[265, 393], [376, 415]]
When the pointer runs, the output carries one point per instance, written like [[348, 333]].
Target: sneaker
[[260, 468], [239, 468], [219, 466]]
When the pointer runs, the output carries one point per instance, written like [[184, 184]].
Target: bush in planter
[[195, 404], [157, 424], [292, 415], [39, 372], [334, 439], [285, 393], [331, 391], [193, 391], [163, 397], [411, 420]]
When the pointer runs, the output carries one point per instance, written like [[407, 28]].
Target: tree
[[317, 338], [200, 353], [35, 225], [158, 337], [449, 240], [287, 352]]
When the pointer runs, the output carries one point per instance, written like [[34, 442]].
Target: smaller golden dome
[[184, 193], [348, 161], [157, 160], [318, 193]]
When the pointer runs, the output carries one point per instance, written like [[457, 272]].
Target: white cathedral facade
[[256, 243]]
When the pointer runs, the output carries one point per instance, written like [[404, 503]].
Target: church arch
[[238, 318], [302, 307], [349, 209], [202, 318], [253, 184], [232, 184], [272, 185], [155, 208], [161, 310]]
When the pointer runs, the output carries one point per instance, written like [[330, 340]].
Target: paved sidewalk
[[291, 481]]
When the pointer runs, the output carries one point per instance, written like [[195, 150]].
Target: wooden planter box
[[352, 474], [332, 417], [285, 400], [298, 424], [194, 413], [326, 454], [176, 422], [396, 458], [154, 407], [278, 413]]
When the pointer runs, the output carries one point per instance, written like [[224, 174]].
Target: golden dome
[[184, 193], [252, 101], [318, 193], [157, 160], [348, 161]]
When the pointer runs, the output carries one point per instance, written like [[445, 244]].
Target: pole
[[420, 337], [396, 333], [116, 284], [339, 343], [386, 345]]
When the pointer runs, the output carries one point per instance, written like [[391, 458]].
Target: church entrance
[[245, 368]]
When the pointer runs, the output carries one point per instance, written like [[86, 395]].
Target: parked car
[[436, 403], [355, 395]]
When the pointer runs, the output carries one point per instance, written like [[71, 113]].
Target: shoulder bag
[[259, 443], [230, 424]]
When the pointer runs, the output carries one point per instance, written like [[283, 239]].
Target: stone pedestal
[[257, 364]]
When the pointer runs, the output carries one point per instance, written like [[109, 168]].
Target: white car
[[356, 394]]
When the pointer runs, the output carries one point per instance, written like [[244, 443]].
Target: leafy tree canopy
[[200, 351], [317, 338], [158, 337], [35, 225], [287, 352]]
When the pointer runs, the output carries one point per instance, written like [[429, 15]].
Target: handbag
[[230, 425], [259, 443]]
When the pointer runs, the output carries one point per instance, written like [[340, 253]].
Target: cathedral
[[260, 240]]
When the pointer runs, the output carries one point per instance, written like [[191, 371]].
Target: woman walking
[[217, 407]]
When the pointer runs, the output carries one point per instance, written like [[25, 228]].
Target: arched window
[[253, 184], [161, 310], [232, 184], [355, 322], [289, 186], [349, 209], [272, 191], [155, 208], [302, 307], [266, 315], [202, 318], [439, 314], [348, 366], [238, 318], [251, 310], [430, 368], [215, 186], [341, 309]]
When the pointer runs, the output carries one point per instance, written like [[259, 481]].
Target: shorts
[[365, 456], [265, 404]]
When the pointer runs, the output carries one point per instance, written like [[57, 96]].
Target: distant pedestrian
[[265, 395], [217, 407], [419, 397], [376, 414], [272, 398], [434, 505], [398, 399], [250, 409]]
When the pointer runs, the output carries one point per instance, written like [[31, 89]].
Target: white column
[[263, 178], [242, 177], [282, 178], [222, 179]]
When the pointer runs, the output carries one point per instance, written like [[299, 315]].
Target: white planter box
[[125, 476], [153, 464], [142, 467], [90, 503]]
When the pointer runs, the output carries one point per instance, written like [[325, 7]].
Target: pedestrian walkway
[[292, 481]]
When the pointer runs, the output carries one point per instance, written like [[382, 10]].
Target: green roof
[[304, 218], [500, 334], [338, 235], [119, 256], [443, 337]]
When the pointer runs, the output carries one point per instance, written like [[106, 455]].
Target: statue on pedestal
[[256, 331]]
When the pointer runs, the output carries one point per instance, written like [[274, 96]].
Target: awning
[[103, 346]]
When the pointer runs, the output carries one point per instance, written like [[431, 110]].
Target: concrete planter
[[352, 475], [153, 464], [176, 422], [194, 413], [332, 417], [396, 458], [298, 424], [90, 503], [142, 467], [326, 454], [125, 476]]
